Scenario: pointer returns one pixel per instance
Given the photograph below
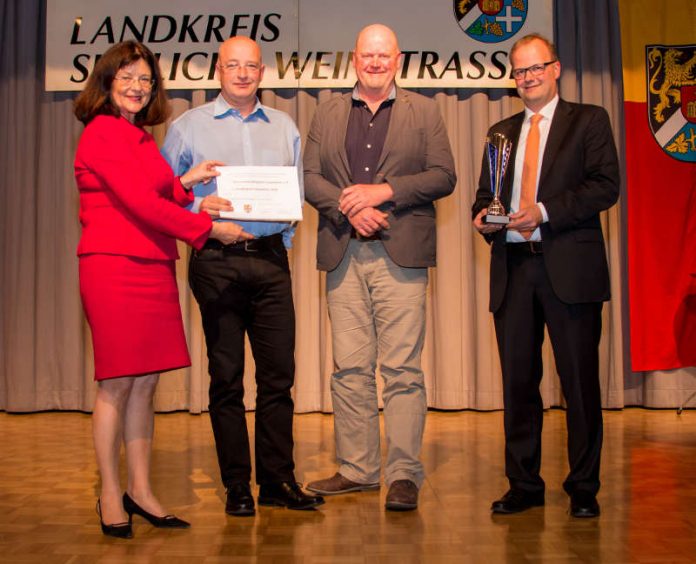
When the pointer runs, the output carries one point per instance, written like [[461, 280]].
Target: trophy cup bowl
[[498, 148]]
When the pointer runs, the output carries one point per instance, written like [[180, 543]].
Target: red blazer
[[130, 202]]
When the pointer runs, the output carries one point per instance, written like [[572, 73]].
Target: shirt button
[[369, 146], [371, 124], [367, 169]]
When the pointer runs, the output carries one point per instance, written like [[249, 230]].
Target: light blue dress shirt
[[266, 137]]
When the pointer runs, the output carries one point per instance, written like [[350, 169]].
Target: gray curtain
[[45, 350]]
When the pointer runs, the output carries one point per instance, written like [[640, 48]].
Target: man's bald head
[[376, 59]]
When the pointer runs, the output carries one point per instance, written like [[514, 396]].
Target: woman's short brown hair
[[95, 99]]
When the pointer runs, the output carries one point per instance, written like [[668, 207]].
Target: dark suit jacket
[[416, 161], [579, 178]]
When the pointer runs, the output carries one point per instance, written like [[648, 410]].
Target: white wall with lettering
[[305, 43]]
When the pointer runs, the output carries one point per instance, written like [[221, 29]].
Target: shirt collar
[[222, 109], [546, 112], [356, 95]]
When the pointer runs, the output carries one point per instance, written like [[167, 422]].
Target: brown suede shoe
[[338, 484], [402, 496]]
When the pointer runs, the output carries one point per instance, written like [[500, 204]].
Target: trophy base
[[496, 219]]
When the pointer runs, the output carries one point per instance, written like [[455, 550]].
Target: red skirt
[[132, 307]]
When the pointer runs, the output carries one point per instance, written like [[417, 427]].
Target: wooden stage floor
[[48, 485]]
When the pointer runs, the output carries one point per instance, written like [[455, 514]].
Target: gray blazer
[[416, 161]]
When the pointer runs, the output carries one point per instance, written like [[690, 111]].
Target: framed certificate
[[260, 193]]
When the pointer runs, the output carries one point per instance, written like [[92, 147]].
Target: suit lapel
[[559, 128], [397, 118], [342, 130]]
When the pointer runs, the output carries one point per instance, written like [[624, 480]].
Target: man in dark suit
[[548, 267], [376, 159]]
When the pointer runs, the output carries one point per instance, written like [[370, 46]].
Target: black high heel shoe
[[118, 530], [166, 522]]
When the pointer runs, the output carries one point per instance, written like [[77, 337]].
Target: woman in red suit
[[131, 214]]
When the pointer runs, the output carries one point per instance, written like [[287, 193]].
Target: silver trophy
[[498, 149]]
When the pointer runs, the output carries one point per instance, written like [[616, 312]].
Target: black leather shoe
[[165, 522], [583, 504], [288, 494], [119, 530], [240, 503], [515, 501]]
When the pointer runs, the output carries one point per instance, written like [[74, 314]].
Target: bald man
[[376, 160], [245, 287]]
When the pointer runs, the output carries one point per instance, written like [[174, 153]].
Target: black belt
[[526, 248], [248, 246]]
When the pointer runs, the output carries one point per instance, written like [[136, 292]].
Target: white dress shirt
[[544, 125]]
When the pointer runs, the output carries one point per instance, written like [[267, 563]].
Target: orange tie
[[529, 168]]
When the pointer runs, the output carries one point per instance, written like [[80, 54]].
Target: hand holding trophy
[[498, 148]]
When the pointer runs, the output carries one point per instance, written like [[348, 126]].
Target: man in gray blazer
[[376, 159]]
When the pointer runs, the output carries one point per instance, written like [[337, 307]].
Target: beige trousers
[[377, 312]]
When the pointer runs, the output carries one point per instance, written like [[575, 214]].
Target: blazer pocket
[[424, 210], [409, 143], [427, 211]]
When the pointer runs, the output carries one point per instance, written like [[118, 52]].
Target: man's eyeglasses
[[534, 70], [145, 82], [234, 66]]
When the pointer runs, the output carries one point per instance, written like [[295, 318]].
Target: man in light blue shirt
[[263, 136], [245, 287]]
